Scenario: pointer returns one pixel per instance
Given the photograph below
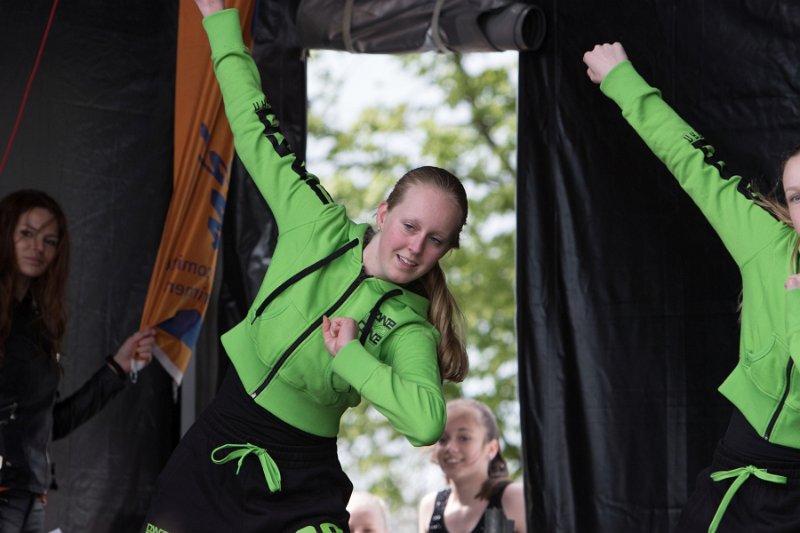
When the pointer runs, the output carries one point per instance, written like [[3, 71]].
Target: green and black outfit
[[755, 478], [278, 413]]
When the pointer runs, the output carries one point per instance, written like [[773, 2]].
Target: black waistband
[[743, 438], [246, 421]]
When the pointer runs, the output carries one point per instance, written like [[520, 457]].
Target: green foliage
[[466, 122]]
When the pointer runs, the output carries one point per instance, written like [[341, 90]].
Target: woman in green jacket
[[753, 483], [343, 312]]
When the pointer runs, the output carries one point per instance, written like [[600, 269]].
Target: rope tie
[[240, 451], [435, 34], [741, 474], [347, 22]]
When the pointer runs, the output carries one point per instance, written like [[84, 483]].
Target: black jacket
[[29, 413]]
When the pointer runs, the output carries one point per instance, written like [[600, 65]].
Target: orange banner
[[181, 283]]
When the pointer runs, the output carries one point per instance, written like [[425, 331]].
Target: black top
[[437, 518], [29, 414]]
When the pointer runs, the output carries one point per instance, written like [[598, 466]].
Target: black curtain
[[627, 299], [97, 135]]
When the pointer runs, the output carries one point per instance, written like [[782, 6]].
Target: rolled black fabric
[[403, 26]]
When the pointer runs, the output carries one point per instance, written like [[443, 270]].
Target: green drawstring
[[741, 475], [271, 472], [327, 527]]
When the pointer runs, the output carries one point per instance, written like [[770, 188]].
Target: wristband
[[116, 368]]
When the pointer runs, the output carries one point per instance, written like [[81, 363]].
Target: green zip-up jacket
[[317, 269], [765, 384]]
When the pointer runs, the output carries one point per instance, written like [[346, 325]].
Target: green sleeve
[[793, 324], [744, 227], [294, 195], [406, 389]]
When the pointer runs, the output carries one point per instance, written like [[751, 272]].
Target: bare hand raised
[[602, 58], [208, 7]]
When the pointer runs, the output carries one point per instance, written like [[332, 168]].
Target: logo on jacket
[[709, 154], [380, 328]]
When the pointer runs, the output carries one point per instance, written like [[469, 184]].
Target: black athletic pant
[[759, 505], [194, 495]]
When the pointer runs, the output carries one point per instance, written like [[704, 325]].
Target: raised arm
[[724, 198], [294, 195]]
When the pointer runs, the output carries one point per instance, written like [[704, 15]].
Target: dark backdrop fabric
[[627, 301], [97, 135]]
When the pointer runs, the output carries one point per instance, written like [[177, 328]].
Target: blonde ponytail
[[446, 316]]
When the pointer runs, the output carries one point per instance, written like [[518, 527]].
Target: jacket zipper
[[310, 329], [785, 395], [300, 275]]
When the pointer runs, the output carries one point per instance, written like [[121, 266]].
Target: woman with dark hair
[[34, 258], [480, 491]]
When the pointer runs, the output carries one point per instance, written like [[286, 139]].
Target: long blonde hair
[[444, 312]]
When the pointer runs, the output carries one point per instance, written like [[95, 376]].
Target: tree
[[466, 122]]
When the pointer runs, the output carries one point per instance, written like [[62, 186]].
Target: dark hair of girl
[[498, 477], [48, 290]]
